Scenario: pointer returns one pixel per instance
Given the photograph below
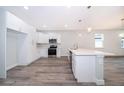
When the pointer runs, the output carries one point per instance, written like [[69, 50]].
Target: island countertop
[[81, 51]]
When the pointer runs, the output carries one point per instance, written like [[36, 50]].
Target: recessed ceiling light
[[65, 25], [44, 26], [121, 35], [68, 6], [80, 35], [26, 7], [89, 29], [79, 20]]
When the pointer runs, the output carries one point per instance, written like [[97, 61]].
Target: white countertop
[[89, 52]]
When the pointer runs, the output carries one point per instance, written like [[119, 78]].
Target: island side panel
[[100, 70], [85, 68]]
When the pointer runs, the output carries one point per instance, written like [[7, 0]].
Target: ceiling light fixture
[[26, 7], [68, 6], [122, 22], [89, 29], [79, 20], [44, 26], [80, 35], [88, 7], [121, 35], [65, 25]]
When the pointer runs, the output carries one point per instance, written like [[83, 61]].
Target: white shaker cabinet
[[59, 39], [84, 68], [42, 38], [13, 22], [55, 36], [88, 65], [16, 24]]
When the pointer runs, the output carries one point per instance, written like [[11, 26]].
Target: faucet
[[76, 46]]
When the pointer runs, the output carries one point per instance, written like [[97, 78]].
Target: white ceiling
[[55, 17]]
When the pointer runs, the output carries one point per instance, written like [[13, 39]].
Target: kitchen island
[[88, 65]]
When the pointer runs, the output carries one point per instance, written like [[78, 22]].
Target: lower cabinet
[[85, 68]]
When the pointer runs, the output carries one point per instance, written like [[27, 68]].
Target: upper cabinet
[[13, 22], [43, 38], [16, 23], [58, 38], [55, 36]]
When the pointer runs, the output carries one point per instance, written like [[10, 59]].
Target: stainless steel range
[[52, 50]]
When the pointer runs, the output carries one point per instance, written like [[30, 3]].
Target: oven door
[[51, 51]]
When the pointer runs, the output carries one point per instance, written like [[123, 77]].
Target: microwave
[[52, 41]]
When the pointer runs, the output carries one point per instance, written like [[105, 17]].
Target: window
[[122, 42], [99, 38], [122, 39]]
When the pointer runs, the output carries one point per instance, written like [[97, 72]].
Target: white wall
[[2, 43], [27, 50], [111, 42], [11, 49], [22, 54], [33, 50]]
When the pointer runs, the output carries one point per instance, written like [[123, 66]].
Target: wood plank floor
[[114, 71], [57, 72]]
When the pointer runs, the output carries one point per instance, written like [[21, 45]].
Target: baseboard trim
[[34, 61], [64, 56], [114, 56], [26, 64], [10, 67], [23, 64], [100, 82]]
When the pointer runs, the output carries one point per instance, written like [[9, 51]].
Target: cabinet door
[[42, 38], [85, 68], [73, 66], [13, 22], [59, 39]]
